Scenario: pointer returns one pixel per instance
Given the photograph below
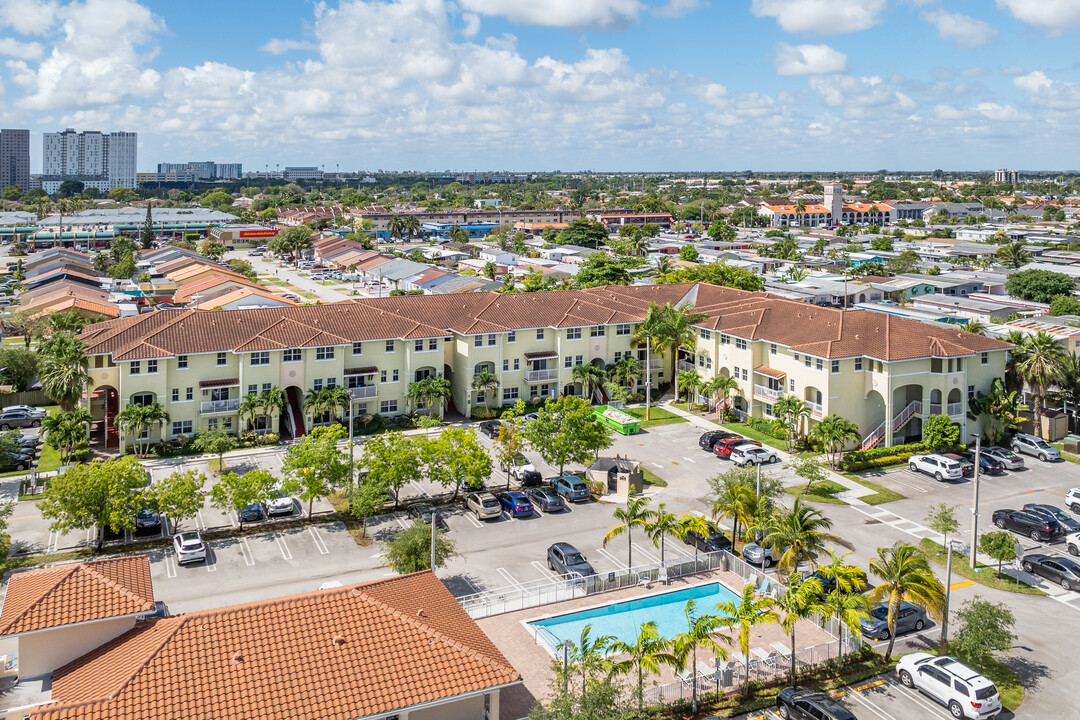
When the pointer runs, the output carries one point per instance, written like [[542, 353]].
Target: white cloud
[[278, 46], [28, 17], [14, 48], [676, 8], [1001, 113], [1047, 93], [964, 30], [820, 17], [592, 14], [808, 59], [974, 71], [948, 112], [1054, 17], [856, 93]]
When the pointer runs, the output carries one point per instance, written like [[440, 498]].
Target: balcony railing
[[935, 408], [956, 409], [686, 365], [767, 393], [208, 407], [364, 391], [539, 376], [815, 410], [656, 363]]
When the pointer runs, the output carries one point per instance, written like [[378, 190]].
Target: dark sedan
[[1068, 524], [252, 513], [146, 520], [967, 467], [1031, 524], [424, 513], [799, 703], [545, 499], [490, 428], [713, 542], [1062, 571], [709, 439], [516, 503], [987, 464]]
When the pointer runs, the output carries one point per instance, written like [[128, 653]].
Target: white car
[[753, 455], [1034, 446], [1072, 499], [1008, 459], [965, 692], [484, 505], [280, 503], [189, 547], [939, 466], [521, 466]]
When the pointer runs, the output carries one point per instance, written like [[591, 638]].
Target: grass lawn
[[307, 295], [653, 479], [824, 491], [49, 460], [659, 416], [695, 408], [988, 575], [881, 494], [1065, 455], [744, 429]]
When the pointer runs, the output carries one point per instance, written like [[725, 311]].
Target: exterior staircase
[[295, 414], [901, 419]]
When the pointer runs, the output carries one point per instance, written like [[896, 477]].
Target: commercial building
[[1007, 177], [865, 366], [203, 171], [303, 173], [101, 160], [380, 217], [831, 211], [15, 158]]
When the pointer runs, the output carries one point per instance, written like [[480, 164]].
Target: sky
[[542, 85]]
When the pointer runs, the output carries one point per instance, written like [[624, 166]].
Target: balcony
[[364, 391], [767, 393], [956, 409], [211, 407], [686, 365], [815, 410], [541, 376], [656, 363]]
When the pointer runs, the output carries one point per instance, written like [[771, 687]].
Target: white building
[[102, 160], [303, 173]]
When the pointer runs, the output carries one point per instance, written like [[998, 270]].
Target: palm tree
[[801, 600], [800, 532], [677, 332], [411, 225], [1040, 368], [417, 393], [627, 371], [662, 524], [636, 514], [439, 391], [998, 411], [395, 226], [648, 333], [64, 431], [155, 415], [689, 381], [800, 205], [663, 265], [750, 611], [720, 389], [974, 327], [130, 421], [249, 407], [701, 631], [648, 653], [905, 577], [735, 501], [792, 411], [135, 419], [834, 432], [272, 402], [588, 655], [64, 370], [847, 577], [337, 398], [486, 382], [850, 608], [691, 523], [1014, 255], [589, 376]]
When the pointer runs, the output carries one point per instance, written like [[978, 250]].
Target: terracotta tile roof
[[67, 303], [771, 372], [225, 382], [203, 285], [240, 294], [346, 652], [80, 592], [540, 355], [369, 370]]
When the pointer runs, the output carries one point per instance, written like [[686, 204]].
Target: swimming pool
[[624, 619]]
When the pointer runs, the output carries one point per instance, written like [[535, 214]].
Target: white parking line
[[917, 697], [619, 564], [509, 516], [472, 519], [233, 518], [199, 522], [283, 547], [872, 707], [54, 542], [211, 560], [320, 544], [170, 566], [401, 522], [544, 571], [658, 465], [509, 578], [420, 489], [245, 549], [689, 459], [640, 551]]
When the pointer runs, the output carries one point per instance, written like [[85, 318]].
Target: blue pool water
[[624, 619]]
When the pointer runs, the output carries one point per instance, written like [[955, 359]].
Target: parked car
[[1034, 446], [965, 692], [28, 439], [15, 462], [1008, 459], [908, 618], [490, 428], [147, 519], [34, 410], [746, 454], [801, 703], [516, 503], [545, 499], [280, 504], [1058, 570], [255, 253], [987, 465], [189, 547], [565, 559], [967, 467], [1072, 544], [723, 448], [709, 439], [712, 542], [1034, 526], [860, 582], [1066, 521], [520, 465], [940, 467], [253, 512], [1072, 500], [570, 487], [484, 505], [754, 554], [17, 419]]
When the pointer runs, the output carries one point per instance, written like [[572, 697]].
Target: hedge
[[878, 457]]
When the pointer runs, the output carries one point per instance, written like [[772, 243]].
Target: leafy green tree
[[984, 627], [455, 458], [64, 432], [410, 550], [368, 499], [905, 577], [689, 253], [213, 250], [19, 367], [9, 447], [939, 433], [809, 468], [1039, 285], [179, 496], [583, 232], [100, 494], [881, 244], [721, 231], [316, 466], [233, 492], [1000, 545], [216, 442], [941, 518], [11, 193], [603, 269], [998, 411], [69, 188], [393, 459], [1065, 305], [636, 514], [147, 234], [717, 273], [566, 431], [905, 263]]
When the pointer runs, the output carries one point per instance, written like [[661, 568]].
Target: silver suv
[[1034, 446], [941, 467], [484, 505], [965, 692]]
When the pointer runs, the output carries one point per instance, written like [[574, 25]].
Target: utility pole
[[648, 375], [948, 588], [434, 522], [975, 502]]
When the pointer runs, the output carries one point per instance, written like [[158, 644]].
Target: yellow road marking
[[961, 585], [674, 462], [869, 685], [25, 517], [837, 694]]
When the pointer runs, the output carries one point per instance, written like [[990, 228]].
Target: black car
[[425, 513], [1036, 527], [147, 519], [987, 464], [715, 541], [800, 702], [490, 428], [530, 478], [828, 584], [1063, 571], [1051, 512], [707, 440], [545, 499]]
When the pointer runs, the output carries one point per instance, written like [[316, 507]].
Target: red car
[[723, 448]]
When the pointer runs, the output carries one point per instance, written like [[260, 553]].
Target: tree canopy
[[716, 274], [1039, 285]]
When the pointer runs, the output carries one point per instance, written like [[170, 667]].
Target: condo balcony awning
[[770, 372], [543, 355]]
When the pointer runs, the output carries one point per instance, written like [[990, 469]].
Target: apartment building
[[498, 216], [885, 373], [101, 160], [15, 158]]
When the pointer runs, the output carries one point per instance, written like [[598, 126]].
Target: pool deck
[[533, 661]]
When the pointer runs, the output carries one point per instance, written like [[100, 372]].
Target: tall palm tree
[[337, 399], [272, 402], [395, 226], [486, 382], [849, 607], [663, 265], [801, 600], [647, 654], [736, 501], [156, 415], [439, 392], [1014, 255], [720, 389], [1040, 368], [678, 332], [588, 656], [748, 612], [689, 381], [905, 577], [701, 632], [662, 524], [411, 225], [847, 577], [590, 377], [417, 394], [834, 433], [648, 333], [793, 412], [249, 407], [691, 523], [800, 533], [64, 431], [636, 514], [627, 371]]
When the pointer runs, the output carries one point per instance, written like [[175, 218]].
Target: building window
[[858, 364], [389, 346], [189, 394], [316, 384], [510, 394], [791, 385], [618, 356], [768, 410], [808, 361], [331, 382], [772, 348], [222, 359], [708, 363], [260, 358], [568, 362], [701, 361], [176, 395], [796, 356], [388, 406], [506, 366], [382, 376], [395, 375], [819, 364], [266, 386], [324, 353], [226, 424], [705, 334], [418, 346], [212, 424], [573, 333], [182, 427], [181, 362], [491, 340], [511, 336], [151, 367], [744, 375], [596, 331], [517, 364], [143, 399], [433, 344], [358, 348], [984, 359], [971, 392], [740, 344], [539, 333], [291, 355], [835, 367], [736, 372], [136, 367], [478, 341], [621, 330], [253, 389]]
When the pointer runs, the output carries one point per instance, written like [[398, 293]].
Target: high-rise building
[[102, 160], [15, 158], [834, 200], [1007, 177]]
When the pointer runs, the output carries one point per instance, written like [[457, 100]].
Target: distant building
[[202, 171], [303, 173], [1007, 177], [15, 158], [101, 160]]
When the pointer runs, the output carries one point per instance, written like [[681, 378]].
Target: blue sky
[[555, 84]]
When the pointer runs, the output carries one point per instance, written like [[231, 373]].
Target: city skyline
[[606, 85]]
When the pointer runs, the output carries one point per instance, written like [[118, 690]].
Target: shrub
[[482, 413], [269, 439], [375, 424], [772, 428], [880, 456]]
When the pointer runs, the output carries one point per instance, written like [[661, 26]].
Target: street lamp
[[975, 501], [353, 395], [648, 375]]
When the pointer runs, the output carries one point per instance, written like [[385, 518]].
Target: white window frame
[[296, 353], [262, 356], [327, 352]]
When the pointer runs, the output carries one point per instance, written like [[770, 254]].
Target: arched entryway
[[291, 424], [104, 405]]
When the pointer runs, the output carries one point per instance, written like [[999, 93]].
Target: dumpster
[[618, 421]]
